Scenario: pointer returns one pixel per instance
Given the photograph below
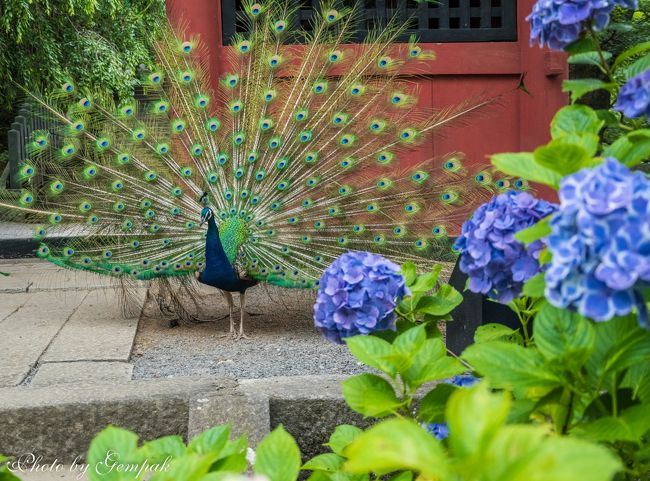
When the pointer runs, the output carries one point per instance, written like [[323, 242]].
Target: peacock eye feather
[[196, 150], [123, 159], [332, 16], [384, 183], [301, 115], [186, 172], [162, 149], [319, 87], [266, 123], [235, 106], [275, 61], [150, 175], [252, 157], [185, 76], [305, 136], [439, 231], [269, 95], [186, 47], [92, 219], [138, 135], [359, 228], [419, 176], [347, 140], [212, 125], [90, 172], [483, 178], [340, 118], [212, 177], [68, 87], [56, 187], [244, 46], [311, 157], [345, 190], [452, 165], [55, 218], [222, 159], [201, 101], [102, 144], [26, 199], [275, 142], [255, 9], [155, 78]]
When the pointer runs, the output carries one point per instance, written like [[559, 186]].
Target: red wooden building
[[481, 47]]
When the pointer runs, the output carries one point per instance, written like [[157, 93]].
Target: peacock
[[298, 155]]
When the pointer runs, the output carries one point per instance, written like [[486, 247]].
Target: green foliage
[[481, 446], [99, 44]]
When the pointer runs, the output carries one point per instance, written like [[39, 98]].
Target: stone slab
[[58, 422], [58, 472], [309, 408], [247, 413], [9, 303], [29, 331], [82, 372], [97, 331]]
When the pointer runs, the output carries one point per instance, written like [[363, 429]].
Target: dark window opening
[[431, 21]]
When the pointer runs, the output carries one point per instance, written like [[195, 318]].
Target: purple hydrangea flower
[[634, 97], [358, 294], [558, 23], [600, 242], [497, 264]]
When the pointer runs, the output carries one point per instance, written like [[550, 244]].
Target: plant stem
[[603, 62]]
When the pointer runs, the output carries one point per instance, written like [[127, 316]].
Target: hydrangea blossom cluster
[[441, 430], [557, 23], [358, 294], [497, 264], [634, 96], [600, 242]]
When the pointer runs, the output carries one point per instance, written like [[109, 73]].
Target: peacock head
[[206, 215]]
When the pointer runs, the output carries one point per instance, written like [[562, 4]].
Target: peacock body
[[299, 155]]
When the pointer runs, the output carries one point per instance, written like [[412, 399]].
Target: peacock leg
[[242, 316], [231, 307]]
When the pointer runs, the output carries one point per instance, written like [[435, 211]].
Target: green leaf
[[233, 456], [191, 467], [445, 300], [523, 165], [432, 406], [535, 232], [342, 436], [427, 281], [112, 445], [211, 441], [510, 366], [637, 379], [580, 87], [431, 363], [372, 351], [409, 342], [585, 44], [561, 157], [638, 49], [497, 332], [632, 424], [630, 149], [394, 445], [370, 395], [587, 58], [564, 335], [575, 120], [278, 457], [160, 449], [472, 435], [410, 272], [640, 65], [324, 462], [534, 287]]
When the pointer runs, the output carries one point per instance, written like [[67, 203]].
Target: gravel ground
[[283, 340]]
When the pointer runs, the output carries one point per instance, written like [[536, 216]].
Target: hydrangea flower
[[441, 430], [358, 294], [634, 96], [558, 23], [497, 264], [600, 242]]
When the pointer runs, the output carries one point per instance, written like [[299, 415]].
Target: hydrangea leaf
[[640, 65], [159, 449], [561, 334], [431, 363], [588, 58], [373, 352], [497, 332], [123, 446], [489, 413], [409, 271], [534, 287], [631, 149], [638, 49], [370, 395], [580, 87], [510, 366], [562, 157], [330, 462], [342, 436], [523, 165], [633, 423], [534, 232], [278, 457], [426, 281], [433, 404], [445, 300], [396, 445], [210, 441], [575, 119]]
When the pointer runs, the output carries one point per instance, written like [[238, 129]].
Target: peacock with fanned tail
[[298, 156]]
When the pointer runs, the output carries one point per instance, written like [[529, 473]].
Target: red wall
[[519, 122]]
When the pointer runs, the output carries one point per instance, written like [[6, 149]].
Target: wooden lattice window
[[444, 21]]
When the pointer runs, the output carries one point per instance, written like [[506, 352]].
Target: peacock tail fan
[[300, 149]]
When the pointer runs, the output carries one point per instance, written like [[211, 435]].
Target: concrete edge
[[58, 422]]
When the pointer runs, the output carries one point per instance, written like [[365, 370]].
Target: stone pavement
[[62, 326]]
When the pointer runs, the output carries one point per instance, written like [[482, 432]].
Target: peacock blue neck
[[231, 234]]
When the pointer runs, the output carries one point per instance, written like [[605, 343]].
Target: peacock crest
[[303, 152]]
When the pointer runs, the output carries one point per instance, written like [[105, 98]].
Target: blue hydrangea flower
[[634, 96], [464, 380], [600, 242], [358, 294], [558, 23], [497, 264], [439, 430]]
